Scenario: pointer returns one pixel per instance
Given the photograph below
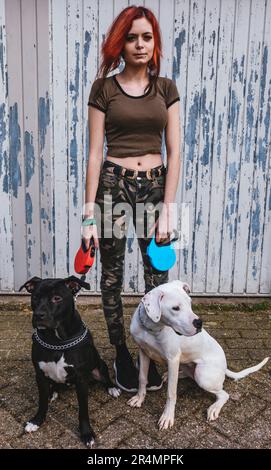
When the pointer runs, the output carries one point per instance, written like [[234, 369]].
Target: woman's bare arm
[[96, 119]]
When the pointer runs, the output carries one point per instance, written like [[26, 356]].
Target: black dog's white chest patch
[[55, 370]]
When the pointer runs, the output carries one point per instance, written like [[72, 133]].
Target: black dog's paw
[[31, 426], [114, 391], [88, 439]]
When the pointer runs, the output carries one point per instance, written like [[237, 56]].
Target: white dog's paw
[[136, 401], [114, 392], [166, 420], [31, 427], [213, 412]]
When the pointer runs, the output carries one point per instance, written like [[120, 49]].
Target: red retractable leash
[[84, 257]]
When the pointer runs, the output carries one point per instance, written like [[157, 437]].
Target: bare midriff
[[142, 162]]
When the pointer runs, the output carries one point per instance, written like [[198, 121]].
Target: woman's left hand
[[164, 227]]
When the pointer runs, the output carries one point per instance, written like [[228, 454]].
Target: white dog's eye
[[176, 308]]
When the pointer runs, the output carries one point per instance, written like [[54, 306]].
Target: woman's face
[[139, 40]]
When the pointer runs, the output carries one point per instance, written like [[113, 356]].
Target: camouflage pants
[[112, 190]]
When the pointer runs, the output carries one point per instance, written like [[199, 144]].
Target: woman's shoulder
[[165, 81], [102, 82]]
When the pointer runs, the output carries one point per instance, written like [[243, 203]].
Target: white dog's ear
[[186, 288], [152, 304]]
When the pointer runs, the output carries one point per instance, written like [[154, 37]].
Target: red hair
[[116, 36]]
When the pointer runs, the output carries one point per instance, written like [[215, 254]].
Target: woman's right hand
[[88, 232]]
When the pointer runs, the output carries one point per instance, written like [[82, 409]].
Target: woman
[[133, 107]]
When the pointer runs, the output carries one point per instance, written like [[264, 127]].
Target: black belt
[[121, 171]]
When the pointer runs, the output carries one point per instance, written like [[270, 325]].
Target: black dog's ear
[[75, 284], [31, 285]]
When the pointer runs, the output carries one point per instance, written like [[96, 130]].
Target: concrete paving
[[243, 330]]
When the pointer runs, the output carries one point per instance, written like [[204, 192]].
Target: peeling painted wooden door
[[218, 53]]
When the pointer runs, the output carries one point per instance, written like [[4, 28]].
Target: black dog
[[63, 351]]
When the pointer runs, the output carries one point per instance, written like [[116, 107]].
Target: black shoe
[[155, 381], [126, 375]]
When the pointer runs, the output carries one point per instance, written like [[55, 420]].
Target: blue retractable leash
[[162, 255]]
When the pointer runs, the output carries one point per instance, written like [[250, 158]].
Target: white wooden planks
[[90, 58], [6, 252], [205, 157], [60, 137], [44, 139], [218, 53], [235, 141], [218, 163], [16, 141]]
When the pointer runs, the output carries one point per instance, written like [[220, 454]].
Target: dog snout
[[197, 324], [39, 315], [39, 318]]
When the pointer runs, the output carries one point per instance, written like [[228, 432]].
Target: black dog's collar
[[62, 345]]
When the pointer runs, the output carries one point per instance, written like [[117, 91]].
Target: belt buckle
[[149, 174]]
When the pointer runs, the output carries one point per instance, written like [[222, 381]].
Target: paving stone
[[249, 333], [258, 432], [214, 440], [115, 433], [244, 343]]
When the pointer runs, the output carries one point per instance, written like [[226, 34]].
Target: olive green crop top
[[133, 124]]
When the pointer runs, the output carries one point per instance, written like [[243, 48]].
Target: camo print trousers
[[112, 190]]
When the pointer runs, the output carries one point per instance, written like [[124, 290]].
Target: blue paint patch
[[179, 42], [234, 117], [190, 135], [43, 214], [14, 149], [206, 115], [185, 260], [42, 165], [255, 220], [74, 90], [263, 81], [229, 211], [44, 259], [28, 208], [199, 218], [241, 71], [86, 52], [234, 70], [250, 118], [132, 283], [233, 172], [29, 157], [44, 120], [219, 136], [3, 136], [1, 53], [263, 143], [238, 72], [29, 251]]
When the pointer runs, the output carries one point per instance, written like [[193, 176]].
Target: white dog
[[166, 330]]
